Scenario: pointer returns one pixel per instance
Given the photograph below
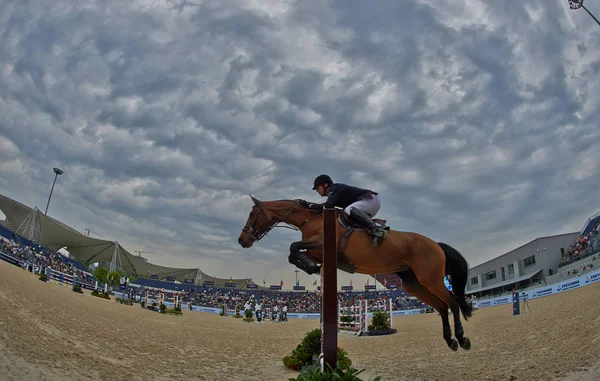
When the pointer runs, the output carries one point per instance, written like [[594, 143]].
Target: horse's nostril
[[240, 240]]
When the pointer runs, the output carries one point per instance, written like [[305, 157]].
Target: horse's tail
[[458, 269]]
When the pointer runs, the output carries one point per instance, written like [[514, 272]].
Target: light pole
[[576, 4], [57, 172]]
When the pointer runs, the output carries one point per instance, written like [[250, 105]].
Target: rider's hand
[[304, 203], [316, 210]]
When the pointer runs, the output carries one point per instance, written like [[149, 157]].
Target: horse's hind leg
[[430, 272], [439, 289], [459, 332], [442, 292], [412, 286]]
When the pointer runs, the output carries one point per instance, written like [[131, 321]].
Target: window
[[529, 261], [503, 273], [474, 280], [511, 268], [490, 275]]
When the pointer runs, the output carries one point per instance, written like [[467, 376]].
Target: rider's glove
[[304, 203]]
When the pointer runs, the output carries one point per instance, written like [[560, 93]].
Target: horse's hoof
[[454, 345], [466, 345]]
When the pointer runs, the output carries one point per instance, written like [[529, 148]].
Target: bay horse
[[421, 262]]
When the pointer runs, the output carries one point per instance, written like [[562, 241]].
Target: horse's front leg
[[299, 258]]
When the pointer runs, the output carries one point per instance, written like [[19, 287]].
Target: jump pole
[[329, 303]]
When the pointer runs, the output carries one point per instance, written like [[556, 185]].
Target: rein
[[258, 236]]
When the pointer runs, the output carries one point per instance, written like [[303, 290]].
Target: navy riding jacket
[[342, 195]]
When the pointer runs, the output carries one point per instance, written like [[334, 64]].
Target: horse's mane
[[297, 204]]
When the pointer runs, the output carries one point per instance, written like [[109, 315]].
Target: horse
[[421, 262]]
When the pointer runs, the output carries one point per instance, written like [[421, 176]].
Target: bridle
[[257, 236]]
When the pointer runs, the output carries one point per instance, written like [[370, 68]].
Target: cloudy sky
[[477, 121]]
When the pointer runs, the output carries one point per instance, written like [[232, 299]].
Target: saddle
[[342, 262]]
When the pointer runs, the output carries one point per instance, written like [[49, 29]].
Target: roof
[[522, 246], [32, 224]]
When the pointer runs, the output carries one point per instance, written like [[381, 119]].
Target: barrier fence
[[551, 289]]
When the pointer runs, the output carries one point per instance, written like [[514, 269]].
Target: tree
[[114, 278], [101, 274]]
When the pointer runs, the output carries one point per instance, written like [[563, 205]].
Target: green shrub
[[43, 277], [380, 320], [341, 373], [309, 349], [292, 362], [248, 316], [311, 343], [103, 295], [162, 308], [380, 325]]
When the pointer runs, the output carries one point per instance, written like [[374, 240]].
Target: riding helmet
[[322, 179]]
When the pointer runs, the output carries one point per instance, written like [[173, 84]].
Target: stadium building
[[541, 261], [522, 267]]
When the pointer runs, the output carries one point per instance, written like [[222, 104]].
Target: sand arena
[[47, 332]]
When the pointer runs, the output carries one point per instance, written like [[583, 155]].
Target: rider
[[359, 204]]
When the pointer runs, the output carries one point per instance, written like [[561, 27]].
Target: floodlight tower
[[576, 4], [57, 172]]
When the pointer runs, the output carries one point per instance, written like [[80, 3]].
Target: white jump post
[[390, 311]]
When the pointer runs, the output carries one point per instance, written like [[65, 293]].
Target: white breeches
[[369, 206]]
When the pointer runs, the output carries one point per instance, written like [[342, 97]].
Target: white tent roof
[[32, 224]]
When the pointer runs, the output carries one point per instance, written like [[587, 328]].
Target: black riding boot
[[307, 265], [376, 231]]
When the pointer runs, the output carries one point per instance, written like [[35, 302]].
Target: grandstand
[[591, 224], [544, 260], [31, 226]]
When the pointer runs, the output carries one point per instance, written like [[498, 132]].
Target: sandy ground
[[47, 332]]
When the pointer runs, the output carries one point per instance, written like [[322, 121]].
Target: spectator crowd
[[42, 258], [586, 244]]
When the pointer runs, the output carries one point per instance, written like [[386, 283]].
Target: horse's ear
[[257, 202]]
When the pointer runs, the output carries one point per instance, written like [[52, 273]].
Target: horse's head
[[257, 225], [268, 214]]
